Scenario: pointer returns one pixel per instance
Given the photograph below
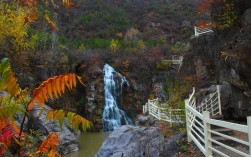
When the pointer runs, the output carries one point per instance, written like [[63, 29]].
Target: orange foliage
[[203, 24], [31, 15], [204, 5], [30, 3], [49, 145], [52, 24], [53, 87], [67, 3]]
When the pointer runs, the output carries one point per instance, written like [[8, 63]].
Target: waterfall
[[113, 117]]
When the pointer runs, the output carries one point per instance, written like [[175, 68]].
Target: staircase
[[216, 138], [211, 103], [202, 30]]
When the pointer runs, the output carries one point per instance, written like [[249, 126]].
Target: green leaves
[[10, 111], [73, 119], [7, 79]]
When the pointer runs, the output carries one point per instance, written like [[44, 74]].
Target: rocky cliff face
[[93, 93], [225, 59]]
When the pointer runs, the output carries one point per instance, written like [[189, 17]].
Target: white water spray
[[113, 117]]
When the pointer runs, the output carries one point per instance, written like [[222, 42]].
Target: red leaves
[[204, 5], [203, 24], [6, 137]]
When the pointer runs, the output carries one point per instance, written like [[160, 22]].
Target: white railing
[[177, 59], [166, 114], [198, 30], [212, 103], [200, 131]]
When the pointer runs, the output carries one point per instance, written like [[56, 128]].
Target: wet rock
[[142, 120], [68, 141], [135, 141]]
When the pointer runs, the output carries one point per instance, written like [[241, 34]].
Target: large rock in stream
[[68, 141], [136, 141]]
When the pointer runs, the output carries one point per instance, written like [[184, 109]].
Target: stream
[[89, 144]]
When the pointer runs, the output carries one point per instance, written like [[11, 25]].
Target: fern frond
[[54, 87], [73, 119], [49, 145]]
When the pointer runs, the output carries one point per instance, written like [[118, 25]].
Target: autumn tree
[[13, 28], [223, 12]]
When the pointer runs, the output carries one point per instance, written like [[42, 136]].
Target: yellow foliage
[[126, 63], [7, 79], [119, 35], [227, 55], [141, 45], [13, 27], [114, 45], [163, 64], [226, 16]]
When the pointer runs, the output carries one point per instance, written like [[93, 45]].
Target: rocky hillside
[[135, 37], [222, 58]]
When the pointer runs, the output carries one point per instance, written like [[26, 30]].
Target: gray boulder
[[135, 141], [142, 120], [68, 141], [246, 18]]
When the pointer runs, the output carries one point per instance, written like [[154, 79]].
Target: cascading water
[[113, 117]]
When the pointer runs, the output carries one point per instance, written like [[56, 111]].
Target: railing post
[[195, 31], [211, 104], [187, 121], [219, 102], [249, 133], [170, 114], [207, 134], [150, 107], [159, 113]]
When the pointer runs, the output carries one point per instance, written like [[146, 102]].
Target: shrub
[[163, 65]]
